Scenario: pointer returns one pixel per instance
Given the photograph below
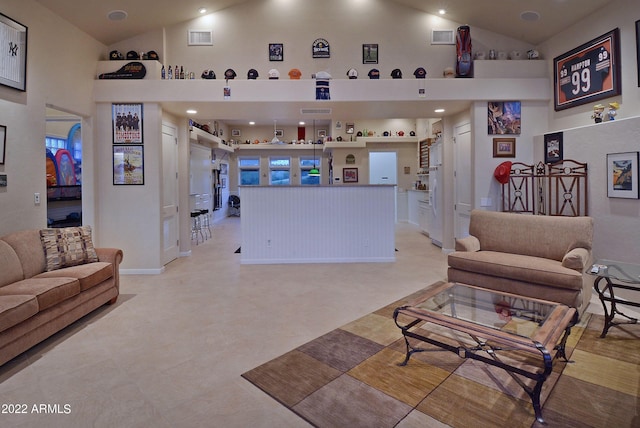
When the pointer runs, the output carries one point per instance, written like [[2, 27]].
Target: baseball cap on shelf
[[295, 74], [252, 74], [420, 73], [208, 74], [229, 73], [115, 56], [153, 55], [323, 75], [133, 55], [274, 74], [502, 172], [374, 73], [396, 73], [352, 73]]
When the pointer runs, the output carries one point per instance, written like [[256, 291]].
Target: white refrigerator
[[436, 198]]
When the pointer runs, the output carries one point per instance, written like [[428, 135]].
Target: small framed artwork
[[588, 73], [370, 53], [350, 175], [553, 147], [279, 133], [235, 133], [3, 143], [504, 147], [322, 133], [127, 123], [504, 117], [349, 127], [224, 169], [128, 164], [276, 52], [3, 180], [622, 175], [13, 37]]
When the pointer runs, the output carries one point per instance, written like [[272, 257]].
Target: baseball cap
[[295, 74], [133, 55], [208, 74], [115, 55], [229, 73], [396, 73], [502, 172], [274, 74], [352, 73], [374, 73], [153, 55], [420, 73], [252, 74]]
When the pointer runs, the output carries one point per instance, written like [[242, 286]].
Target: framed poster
[[3, 143], [553, 147], [504, 117], [127, 123], [370, 53], [13, 38], [350, 175], [128, 164], [320, 49], [588, 73], [504, 147], [622, 175], [276, 52]]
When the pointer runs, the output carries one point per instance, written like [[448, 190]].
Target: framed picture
[[588, 73], [224, 169], [638, 50], [622, 175], [504, 147], [503, 117], [320, 49], [128, 164], [349, 127], [13, 38], [279, 133], [3, 180], [127, 123], [370, 53], [235, 132], [276, 52], [3, 143], [553, 147], [322, 133], [350, 175]]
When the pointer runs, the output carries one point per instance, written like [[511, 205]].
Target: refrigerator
[[436, 197]]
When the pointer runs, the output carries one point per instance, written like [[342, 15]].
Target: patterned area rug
[[350, 378]]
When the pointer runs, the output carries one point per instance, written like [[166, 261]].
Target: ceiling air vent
[[200, 38], [442, 37], [315, 110]]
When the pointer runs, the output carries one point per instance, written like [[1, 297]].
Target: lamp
[[314, 172], [275, 139]]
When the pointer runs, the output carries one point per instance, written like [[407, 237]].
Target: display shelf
[[196, 134], [286, 146]]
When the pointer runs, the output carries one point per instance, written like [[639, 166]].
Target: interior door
[[463, 189], [170, 235]]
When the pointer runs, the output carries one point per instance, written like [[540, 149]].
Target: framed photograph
[[350, 175], [13, 38], [622, 175], [320, 49], [128, 164], [224, 169], [322, 133], [3, 180], [504, 117], [279, 133], [553, 147], [235, 133], [370, 53], [3, 143], [349, 127], [504, 147], [638, 50], [588, 73], [127, 123], [276, 52]]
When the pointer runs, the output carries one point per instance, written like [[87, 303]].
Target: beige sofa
[[529, 255], [50, 278]]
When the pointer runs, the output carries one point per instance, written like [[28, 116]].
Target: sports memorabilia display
[[132, 70], [464, 60], [588, 73], [321, 49], [13, 39]]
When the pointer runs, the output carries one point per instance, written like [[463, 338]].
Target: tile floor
[[171, 351]]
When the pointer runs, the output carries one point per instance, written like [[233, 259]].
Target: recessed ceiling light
[[301, 123], [442, 11], [529, 15], [117, 15], [202, 10], [192, 111], [252, 123], [439, 110]]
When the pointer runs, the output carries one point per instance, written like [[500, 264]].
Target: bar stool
[[205, 223], [196, 226]]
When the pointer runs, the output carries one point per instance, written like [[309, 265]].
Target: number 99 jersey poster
[[588, 73]]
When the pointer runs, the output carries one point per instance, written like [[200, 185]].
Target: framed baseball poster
[[588, 73], [13, 39]]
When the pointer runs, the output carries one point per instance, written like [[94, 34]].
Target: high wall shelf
[[203, 137], [286, 146]]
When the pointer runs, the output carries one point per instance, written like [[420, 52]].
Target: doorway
[[462, 176], [170, 235]]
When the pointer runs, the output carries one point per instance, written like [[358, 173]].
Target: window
[[249, 171], [53, 144], [279, 171], [306, 163]]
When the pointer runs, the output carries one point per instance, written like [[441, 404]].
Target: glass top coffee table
[[493, 323]]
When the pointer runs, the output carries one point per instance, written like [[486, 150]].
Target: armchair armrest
[[470, 243], [577, 259]]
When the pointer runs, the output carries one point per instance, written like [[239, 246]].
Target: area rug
[[350, 377]]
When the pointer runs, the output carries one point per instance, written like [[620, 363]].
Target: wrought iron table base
[[610, 313]]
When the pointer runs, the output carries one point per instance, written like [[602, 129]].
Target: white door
[[463, 189], [170, 235]]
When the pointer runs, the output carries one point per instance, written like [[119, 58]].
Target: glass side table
[[611, 275]]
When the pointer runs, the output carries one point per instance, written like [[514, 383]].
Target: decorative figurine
[[613, 110], [598, 110]]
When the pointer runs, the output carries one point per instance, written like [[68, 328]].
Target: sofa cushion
[[89, 275], [28, 247], [69, 246], [48, 291], [576, 259], [534, 270], [15, 309], [11, 267]]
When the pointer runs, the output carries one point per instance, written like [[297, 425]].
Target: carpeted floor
[[350, 377]]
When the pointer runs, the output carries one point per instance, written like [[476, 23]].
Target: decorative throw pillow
[[69, 246]]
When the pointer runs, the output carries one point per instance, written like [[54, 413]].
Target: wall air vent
[[442, 37], [200, 38], [315, 110]]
